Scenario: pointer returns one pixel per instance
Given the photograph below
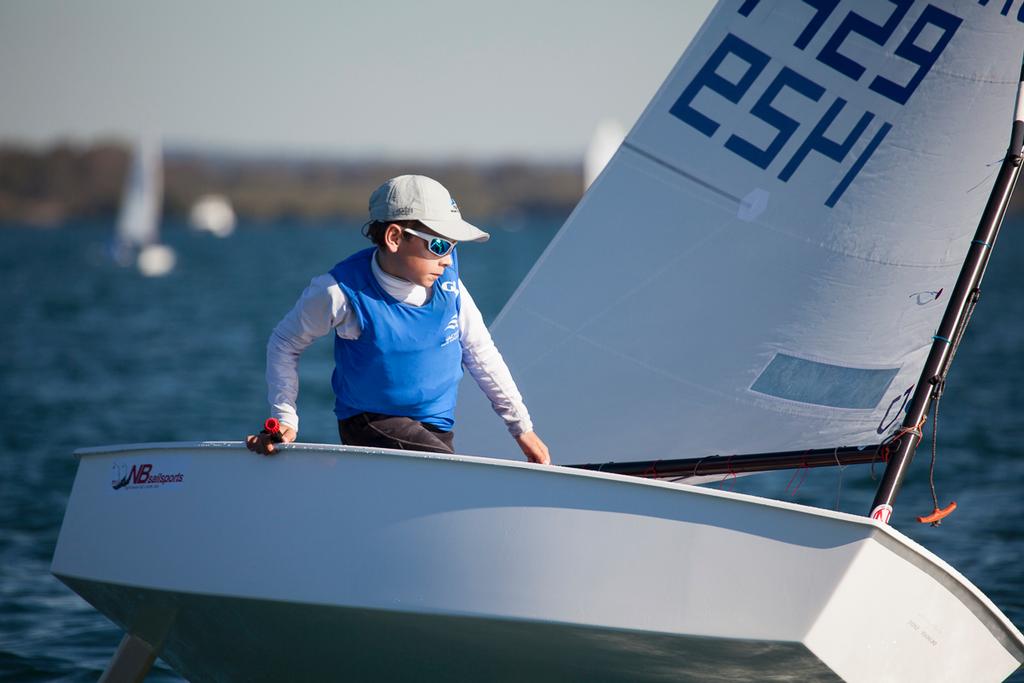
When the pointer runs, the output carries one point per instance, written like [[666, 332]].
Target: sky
[[452, 79]]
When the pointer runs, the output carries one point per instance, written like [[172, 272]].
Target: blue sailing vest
[[408, 359]]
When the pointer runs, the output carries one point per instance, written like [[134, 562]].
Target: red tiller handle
[[272, 426]]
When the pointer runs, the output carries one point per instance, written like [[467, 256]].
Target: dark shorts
[[390, 431]]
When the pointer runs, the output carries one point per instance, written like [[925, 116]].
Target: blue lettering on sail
[[923, 44], [857, 165], [887, 423], [825, 9], [709, 78], [817, 142], [748, 6], [855, 23], [910, 51], [1005, 11], [763, 110]]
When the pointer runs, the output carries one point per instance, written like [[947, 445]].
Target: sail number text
[[930, 32]]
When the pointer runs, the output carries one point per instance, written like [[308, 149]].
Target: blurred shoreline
[[47, 187], [65, 182]]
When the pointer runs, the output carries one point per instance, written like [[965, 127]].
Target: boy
[[404, 325]]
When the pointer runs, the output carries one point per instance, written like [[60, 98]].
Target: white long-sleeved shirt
[[323, 307]]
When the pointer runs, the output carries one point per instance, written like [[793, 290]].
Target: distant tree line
[[46, 187], [66, 181]]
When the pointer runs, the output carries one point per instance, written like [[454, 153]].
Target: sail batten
[[692, 178], [805, 185]]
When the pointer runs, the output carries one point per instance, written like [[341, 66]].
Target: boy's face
[[406, 256]]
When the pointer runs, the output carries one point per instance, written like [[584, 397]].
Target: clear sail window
[[836, 386]]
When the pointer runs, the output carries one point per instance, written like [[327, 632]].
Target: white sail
[[214, 214], [137, 238], [764, 262], [138, 223], [606, 140]]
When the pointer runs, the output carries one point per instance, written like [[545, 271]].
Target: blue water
[[92, 354]]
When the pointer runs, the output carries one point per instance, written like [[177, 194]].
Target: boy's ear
[[392, 237]]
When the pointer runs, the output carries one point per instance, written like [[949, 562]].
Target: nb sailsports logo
[[145, 475]]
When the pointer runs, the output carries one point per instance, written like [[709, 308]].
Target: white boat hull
[[328, 562]]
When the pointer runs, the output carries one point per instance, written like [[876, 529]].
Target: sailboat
[[214, 214], [602, 146], [137, 236], [730, 296]]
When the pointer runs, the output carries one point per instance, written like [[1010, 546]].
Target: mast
[[965, 294]]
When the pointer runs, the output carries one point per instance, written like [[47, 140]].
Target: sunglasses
[[435, 245]]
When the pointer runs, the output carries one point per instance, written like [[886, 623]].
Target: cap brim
[[456, 230]]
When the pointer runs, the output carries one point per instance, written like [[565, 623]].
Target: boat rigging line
[[938, 514], [732, 465]]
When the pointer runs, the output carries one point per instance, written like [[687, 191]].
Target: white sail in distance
[[137, 238], [605, 141], [138, 222], [763, 263], [214, 214]]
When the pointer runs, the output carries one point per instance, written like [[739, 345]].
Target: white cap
[[417, 197]]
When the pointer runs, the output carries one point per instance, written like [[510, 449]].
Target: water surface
[[93, 354]]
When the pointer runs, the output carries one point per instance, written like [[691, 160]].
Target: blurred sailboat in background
[[607, 137], [137, 237], [213, 213]]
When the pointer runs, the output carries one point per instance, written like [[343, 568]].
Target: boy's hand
[[264, 443], [533, 448]]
